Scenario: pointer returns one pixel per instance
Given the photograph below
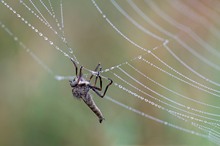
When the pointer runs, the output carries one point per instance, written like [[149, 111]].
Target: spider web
[[164, 64]]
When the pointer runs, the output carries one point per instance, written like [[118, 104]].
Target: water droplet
[[104, 16], [140, 57], [66, 55], [45, 38], [166, 42], [51, 42], [58, 78], [15, 38], [70, 50], [40, 34]]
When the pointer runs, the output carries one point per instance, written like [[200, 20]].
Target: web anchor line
[[60, 26], [41, 34]]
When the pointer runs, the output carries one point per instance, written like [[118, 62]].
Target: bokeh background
[[36, 109]]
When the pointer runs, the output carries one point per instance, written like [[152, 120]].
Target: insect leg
[[100, 79], [106, 88], [76, 68], [80, 72], [95, 71]]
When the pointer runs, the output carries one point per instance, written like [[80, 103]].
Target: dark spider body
[[81, 87]]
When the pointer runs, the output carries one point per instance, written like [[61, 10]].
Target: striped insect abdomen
[[91, 104]]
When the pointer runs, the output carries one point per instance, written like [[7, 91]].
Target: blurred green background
[[37, 110]]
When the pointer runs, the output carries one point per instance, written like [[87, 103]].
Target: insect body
[[81, 87]]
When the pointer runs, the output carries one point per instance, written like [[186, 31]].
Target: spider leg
[[76, 68], [94, 88]]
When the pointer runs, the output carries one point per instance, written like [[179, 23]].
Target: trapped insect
[[80, 88]]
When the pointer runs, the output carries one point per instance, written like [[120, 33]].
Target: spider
[[80, 88]]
